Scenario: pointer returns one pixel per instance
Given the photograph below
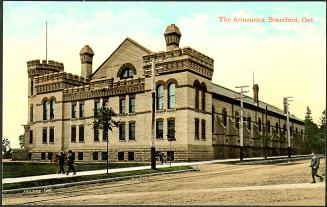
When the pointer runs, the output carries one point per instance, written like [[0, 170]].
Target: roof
[[87, 50], [172, 29], [126, 39], [220, 90]]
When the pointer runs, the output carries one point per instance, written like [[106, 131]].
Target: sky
[[287, 59]]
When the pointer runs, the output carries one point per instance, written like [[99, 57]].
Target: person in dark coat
[[315, 161], [70, 162], [61, 162]]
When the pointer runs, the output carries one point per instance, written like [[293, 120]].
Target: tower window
[[159, 97], [171, 96]]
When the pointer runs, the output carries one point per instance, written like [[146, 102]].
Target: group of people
[[62, 159]]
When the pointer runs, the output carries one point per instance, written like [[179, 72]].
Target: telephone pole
[[153, 149], [241, 122], [286, 104]]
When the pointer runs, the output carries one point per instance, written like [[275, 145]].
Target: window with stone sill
[[51, 137], [159, 129], [81, 133], [122, 131], [159, 97], [74, 110], [122, 105], [44, 135], [73, 134]]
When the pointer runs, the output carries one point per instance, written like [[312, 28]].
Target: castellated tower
[[86, 55], [172, 37]]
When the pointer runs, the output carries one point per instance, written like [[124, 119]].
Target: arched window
[[237, 120], [159, 93], [284, 129], [277, 128], [197, 98], [126, 73], [259, 124], [224, 113], [52, 109], [203, 96], [171, 96], [45, 110], [268, 126], [249, 122]]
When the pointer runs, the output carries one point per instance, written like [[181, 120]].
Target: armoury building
[[203, 117]]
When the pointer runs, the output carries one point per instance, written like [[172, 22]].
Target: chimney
[[256, 94], [86, 55], [172, 37]]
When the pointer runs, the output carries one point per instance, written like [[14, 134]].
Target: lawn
[[22, 169], [89, 177]]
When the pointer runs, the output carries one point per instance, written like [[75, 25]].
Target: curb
[[46, 188], [275, 160]]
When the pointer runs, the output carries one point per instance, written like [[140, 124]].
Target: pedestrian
[[70, 162], [61, 160], [315, 161]]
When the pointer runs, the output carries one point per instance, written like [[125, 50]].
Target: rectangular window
[[203, 129], [49, 155], [104, 135], [122, 131], [197, 132], [80, 155], [44, 135], [95, 155], [31, 113], [42, 155], [73, 134], [96, 133], [81, 110], [51, 138], [74, 110], [130, 156], [81, 133], [131, 104], [159, 129], [104, 155], [171, 129], [131, 132], [120, 156], [31, 137], [105, 102], [96, 106], [122, 105]]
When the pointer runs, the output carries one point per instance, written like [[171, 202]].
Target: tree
[[103, 120], [6, 149], [322, 128], [312, 134], [21, 140]]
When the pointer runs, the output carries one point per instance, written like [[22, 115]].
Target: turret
[[172, 37], [86, 55]]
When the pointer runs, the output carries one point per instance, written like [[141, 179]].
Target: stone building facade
[[202, 117]]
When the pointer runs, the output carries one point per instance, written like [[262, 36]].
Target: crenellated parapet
[[179, 60], [57, 81], [104, 87], [36, 67]]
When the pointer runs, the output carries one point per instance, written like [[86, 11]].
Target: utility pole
[[153, 149], [241, 124], [286, 104]]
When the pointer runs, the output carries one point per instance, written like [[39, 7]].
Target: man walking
[[315, 161], [61, 161], [71, 162]]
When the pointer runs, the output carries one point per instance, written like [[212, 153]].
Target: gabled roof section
[[220, 90], [126, 40]]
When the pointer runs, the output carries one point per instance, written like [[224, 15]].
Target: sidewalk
[[95, 172]]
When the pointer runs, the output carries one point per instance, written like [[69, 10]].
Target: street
[[213, 184]]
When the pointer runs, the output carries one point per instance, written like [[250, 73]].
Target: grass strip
[[21, 169], [54, 181]]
